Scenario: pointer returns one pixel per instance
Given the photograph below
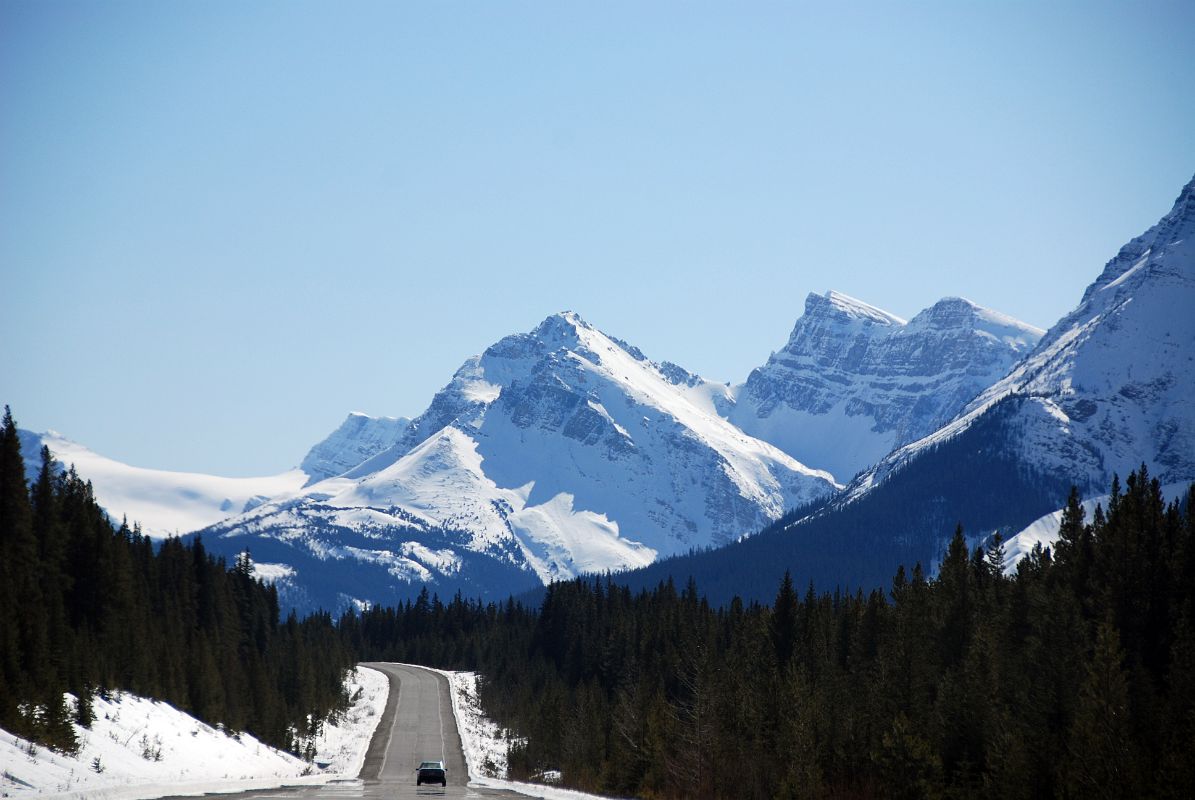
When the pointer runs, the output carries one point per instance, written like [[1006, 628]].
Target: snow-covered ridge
[[358, 438], [1174, 229], [171, 503], [854, 381], [163, 502], [850, 307]]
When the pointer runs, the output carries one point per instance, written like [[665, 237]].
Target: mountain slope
[[558, 451], [854, 382], [1108, 388]]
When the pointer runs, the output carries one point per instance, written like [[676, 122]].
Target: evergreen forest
[[87, 607], [1073, 677]]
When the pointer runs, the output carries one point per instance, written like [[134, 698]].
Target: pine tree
[[954, 601], [784, 622]]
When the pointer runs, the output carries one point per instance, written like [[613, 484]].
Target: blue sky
[[223, 226]]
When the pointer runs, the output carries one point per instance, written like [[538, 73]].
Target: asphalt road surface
[[417, 726]]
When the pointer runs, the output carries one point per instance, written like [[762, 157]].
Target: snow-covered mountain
[[855, 382], [556, 451], [1112, 384], [1109, 387], [565, 450], [358, 438]]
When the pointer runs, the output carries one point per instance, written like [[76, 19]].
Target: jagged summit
[[562, 323], [855, 381], [844, 305], [949, 311], [1175, 230], [959, 314]]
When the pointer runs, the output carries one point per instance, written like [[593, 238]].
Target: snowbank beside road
[[140, 748], [485, 744]]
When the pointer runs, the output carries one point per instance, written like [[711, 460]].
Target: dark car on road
[[431, 772]]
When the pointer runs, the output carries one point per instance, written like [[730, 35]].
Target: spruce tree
[[784, 622]]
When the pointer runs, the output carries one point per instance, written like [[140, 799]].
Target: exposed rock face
[[854, 382]]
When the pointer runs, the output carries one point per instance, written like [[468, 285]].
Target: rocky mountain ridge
[[854, 382]]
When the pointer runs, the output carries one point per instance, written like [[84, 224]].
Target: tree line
[[1073, 677], [87, 606]]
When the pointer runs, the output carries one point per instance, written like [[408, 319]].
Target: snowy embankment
[[139, 748], [485, 744]]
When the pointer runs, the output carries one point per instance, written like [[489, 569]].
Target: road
[[417, 725], [421, 728]]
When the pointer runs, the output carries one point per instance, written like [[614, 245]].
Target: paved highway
[[421, 728], [417, 726]]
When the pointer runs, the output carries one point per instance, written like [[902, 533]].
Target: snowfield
[[164, 502], [139, 748]]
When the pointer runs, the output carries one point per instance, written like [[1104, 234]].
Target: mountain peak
[[1186, 197], [962, 315], [568, 323], [953, 302], [358, 438], [854, 381], [949, 312], [1172, 231], [837, 304]]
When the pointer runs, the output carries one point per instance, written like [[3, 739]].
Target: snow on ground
[[1044, 530], [341, 747], [140, 748], [485, 744]]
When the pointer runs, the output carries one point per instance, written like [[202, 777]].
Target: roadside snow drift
[[139, 748]]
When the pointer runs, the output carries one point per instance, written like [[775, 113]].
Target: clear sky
[[225, 225]]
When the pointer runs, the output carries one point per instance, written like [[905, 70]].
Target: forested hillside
[[88, 607], [1073, 678]]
